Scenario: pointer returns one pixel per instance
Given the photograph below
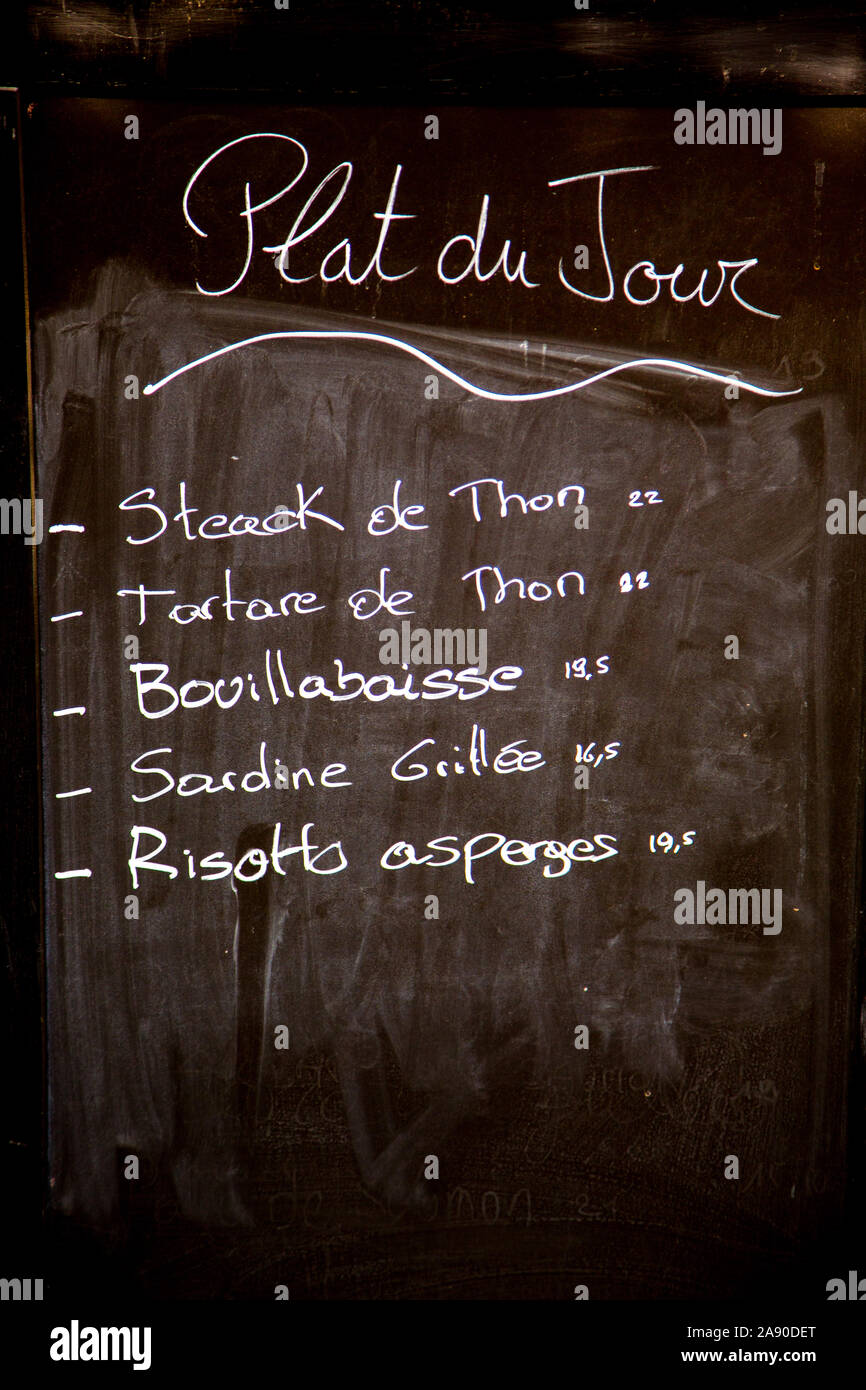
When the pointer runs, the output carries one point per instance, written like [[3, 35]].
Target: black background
[[380, 54]]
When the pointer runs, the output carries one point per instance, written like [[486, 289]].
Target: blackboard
[[496, 985]]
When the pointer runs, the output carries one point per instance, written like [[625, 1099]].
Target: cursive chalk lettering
[[157, 696], [218, 527], [255, 609], [461, 255]]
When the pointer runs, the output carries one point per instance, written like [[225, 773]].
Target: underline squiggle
[[658, 363]]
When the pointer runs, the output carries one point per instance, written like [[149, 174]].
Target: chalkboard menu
[[450, 624]]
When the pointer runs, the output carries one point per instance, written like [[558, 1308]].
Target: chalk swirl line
[[668, 363]]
